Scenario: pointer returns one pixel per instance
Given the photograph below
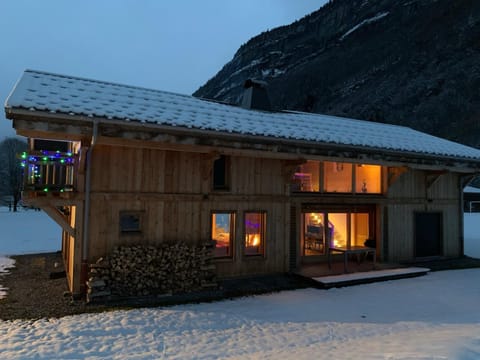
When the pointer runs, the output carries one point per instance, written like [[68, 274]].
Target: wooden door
[[428, 234]]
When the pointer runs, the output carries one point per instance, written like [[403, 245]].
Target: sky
[[167, 45]]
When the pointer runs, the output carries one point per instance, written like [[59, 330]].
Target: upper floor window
[[368, 179], [337, 177], [307, 177], [221, 173]]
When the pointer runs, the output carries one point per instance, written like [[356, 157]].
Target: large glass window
[[368, 179], [324, 229], [359, 229], [315, 234], [340, 234], [223, 225], [306, 177], [338, 177], [255, 233]]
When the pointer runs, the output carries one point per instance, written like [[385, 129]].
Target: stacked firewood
[[149, 270], [98, 280]]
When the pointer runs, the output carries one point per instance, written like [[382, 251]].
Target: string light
[[37, 165]]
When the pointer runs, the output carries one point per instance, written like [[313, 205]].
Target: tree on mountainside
[[11, 174]]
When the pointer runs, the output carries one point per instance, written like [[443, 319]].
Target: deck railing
[[48, 170]]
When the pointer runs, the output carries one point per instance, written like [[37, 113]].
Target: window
[[368, 179], [340, 235], [359, 229], [255, 233], [130, 222], [314, 234], [338, 177], [338, 228], [306, 178], [221, 173], [223, 225]]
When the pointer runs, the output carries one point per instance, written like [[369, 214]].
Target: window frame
[[131, 231], [348, 211], [263, 233], [225, 168], [296, 185], [233, 227]]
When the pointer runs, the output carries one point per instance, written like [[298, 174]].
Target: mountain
[[409, 62]]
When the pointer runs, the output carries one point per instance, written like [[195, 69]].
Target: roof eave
[[146, 131]]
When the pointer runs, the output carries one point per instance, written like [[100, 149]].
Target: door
[[428, 234], [336, 226]]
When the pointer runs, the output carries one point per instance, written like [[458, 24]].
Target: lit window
[[130, 222], [255, 233], [314, 234], [368, 179], [359, 229], [306, 177], [339, 237], [223, 225], [338, 177]]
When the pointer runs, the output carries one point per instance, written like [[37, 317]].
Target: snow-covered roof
[[471, 189], [42, 91]]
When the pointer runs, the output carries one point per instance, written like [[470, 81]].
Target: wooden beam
[[432, 177], [35, 128], [41, 199], [394, 173], [60, 218]]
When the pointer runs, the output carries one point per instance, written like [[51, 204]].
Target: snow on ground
[[28, 232], [472, 234], [25, 232], [430, 317]]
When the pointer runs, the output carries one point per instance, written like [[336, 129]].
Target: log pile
[[149, 270], [98, 280]]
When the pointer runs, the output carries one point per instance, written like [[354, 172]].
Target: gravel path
[[33, 294]]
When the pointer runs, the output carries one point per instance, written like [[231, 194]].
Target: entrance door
[[428, 234]]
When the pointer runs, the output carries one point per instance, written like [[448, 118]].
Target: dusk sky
[[167, 45]]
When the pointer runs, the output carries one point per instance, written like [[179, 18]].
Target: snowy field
[[430, 317], [472, 234]]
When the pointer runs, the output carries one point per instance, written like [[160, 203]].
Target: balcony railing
[[48, 171]]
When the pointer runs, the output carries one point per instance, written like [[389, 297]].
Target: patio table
[[347, 250]]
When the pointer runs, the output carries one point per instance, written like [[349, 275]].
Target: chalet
[[123, 165]]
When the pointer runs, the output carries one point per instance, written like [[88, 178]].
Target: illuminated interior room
[[222, 233], [344, 229], [254, 233], [337, 177]]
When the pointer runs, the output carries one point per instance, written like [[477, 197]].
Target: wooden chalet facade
[[119, 165]]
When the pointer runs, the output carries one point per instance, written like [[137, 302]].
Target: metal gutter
[[86, 216]]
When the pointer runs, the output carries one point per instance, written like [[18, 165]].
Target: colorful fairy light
[[40, 165]]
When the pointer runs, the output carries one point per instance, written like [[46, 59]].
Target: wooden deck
[[358, 273]]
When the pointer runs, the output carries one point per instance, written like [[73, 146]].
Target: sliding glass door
[[322, 229]]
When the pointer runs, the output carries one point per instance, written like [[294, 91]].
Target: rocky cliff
[[408, 62]]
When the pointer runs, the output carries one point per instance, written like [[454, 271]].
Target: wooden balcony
[[49, 171]]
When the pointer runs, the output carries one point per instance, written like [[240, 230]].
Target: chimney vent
[[255, 95]]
